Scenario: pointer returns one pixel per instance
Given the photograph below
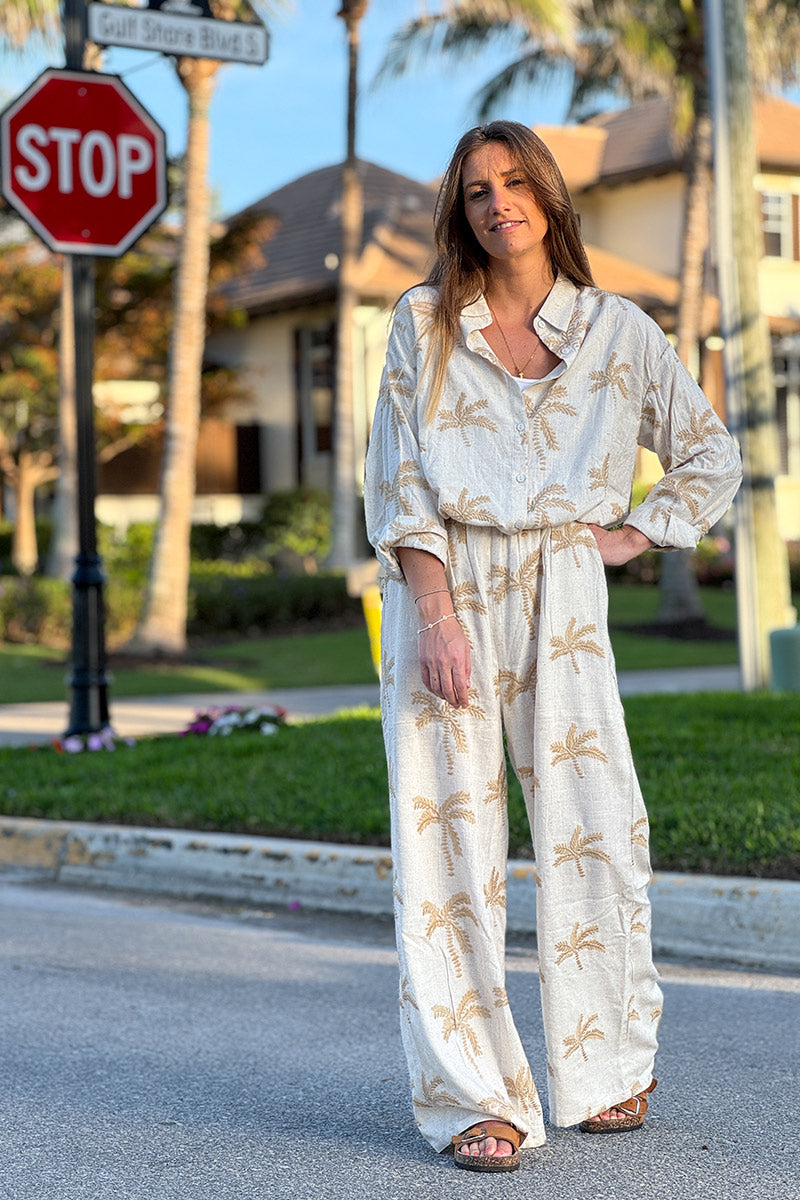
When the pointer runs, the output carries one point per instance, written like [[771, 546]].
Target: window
[[779, 224], [315, 363]]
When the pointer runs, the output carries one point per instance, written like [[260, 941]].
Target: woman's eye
[[516, 182], [478, 194]]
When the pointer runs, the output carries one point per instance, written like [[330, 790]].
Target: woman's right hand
[[444, 659]]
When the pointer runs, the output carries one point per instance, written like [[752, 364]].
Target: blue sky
[[273, 123]]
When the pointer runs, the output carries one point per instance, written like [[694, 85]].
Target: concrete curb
[[742, 921]]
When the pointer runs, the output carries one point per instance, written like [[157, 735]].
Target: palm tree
[[636, 50], [162, 628], [345, 541], [22, 21]]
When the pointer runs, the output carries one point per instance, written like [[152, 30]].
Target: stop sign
[[82, 162]]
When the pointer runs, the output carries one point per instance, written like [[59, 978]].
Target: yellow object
[[371, 600]]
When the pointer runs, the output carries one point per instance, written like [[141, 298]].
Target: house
[[625, 172]]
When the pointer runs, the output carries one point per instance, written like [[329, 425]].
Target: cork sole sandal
[[481, 1162], [635, 1111]]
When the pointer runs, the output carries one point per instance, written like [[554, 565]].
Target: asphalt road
[[157, 1051]]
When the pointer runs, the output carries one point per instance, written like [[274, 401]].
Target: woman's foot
[[490, 1146], [628, 1115]]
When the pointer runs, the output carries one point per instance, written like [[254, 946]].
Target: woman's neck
[[518, 292]]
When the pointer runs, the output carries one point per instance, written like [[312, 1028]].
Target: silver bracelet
[[433, 592], [425, 628]]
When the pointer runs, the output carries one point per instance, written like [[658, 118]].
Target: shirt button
[[520, 428], [519, 524], [520, 478]]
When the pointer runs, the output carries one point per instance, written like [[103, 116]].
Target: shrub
[[260, 603], [34, 609]]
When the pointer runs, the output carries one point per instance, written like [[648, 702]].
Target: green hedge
[[221, 601]]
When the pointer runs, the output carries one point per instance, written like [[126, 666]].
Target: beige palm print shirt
[[554, 450]]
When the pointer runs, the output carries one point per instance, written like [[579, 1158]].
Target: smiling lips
[[501, 226]]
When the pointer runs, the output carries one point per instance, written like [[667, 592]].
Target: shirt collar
[[556, 312]]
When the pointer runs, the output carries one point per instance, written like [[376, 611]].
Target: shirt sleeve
[[400, 507], [702, 464]]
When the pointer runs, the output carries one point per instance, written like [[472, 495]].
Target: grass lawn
[[31, 673], [719, 774]]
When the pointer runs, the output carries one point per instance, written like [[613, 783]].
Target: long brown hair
[[461, 270]]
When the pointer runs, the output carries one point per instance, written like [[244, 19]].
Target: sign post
[[85, 165]]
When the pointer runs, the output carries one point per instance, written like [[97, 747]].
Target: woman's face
[[503, 215]]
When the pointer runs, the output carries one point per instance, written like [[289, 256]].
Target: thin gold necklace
[[519, 371]]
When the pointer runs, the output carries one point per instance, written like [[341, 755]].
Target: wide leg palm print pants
[[534, 608]]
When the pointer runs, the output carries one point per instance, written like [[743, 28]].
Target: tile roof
[[302, 255], [639, 140]]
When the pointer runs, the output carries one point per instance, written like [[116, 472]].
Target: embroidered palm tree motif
[[407, 475], [459, 1020], [396, 889], [639, 832], [599, 475], [525, 581], [454, 808], [449, 719], [405, 994], [637, 926], [567, 537], [583, 1034], [578, 942], [464, 415], [655, 1013], [394, 386], [574, 747], [702, 426], [388, 680], [612, 377], [465, 598], [494, 892], [525, 773], [523, 1089], [513, 685], [632, 1014], [469, 510], [578, 847], [689, 490], [543, 435], [571, 337], [500, 997], [496, 790], [574, 642], [457, 908], [550, 497], [456, 536], [433, 1094], [497, 1106]]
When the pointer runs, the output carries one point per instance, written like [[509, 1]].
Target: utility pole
[[344, 548], [88, 682], [762, 570]]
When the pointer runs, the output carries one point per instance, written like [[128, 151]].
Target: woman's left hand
[[618, 546]]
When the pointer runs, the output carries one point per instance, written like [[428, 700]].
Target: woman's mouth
[[503, 226]]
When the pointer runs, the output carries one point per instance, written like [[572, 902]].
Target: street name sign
[[83, 162], [177, 33]]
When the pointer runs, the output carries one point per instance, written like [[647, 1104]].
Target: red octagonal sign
[[82, 162]]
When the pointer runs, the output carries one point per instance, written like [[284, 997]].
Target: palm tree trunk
[[771, 595], [24, 549], [163, 625], [344, 550], [679, 594]]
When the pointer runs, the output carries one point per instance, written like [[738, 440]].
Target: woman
[[504, 444]]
